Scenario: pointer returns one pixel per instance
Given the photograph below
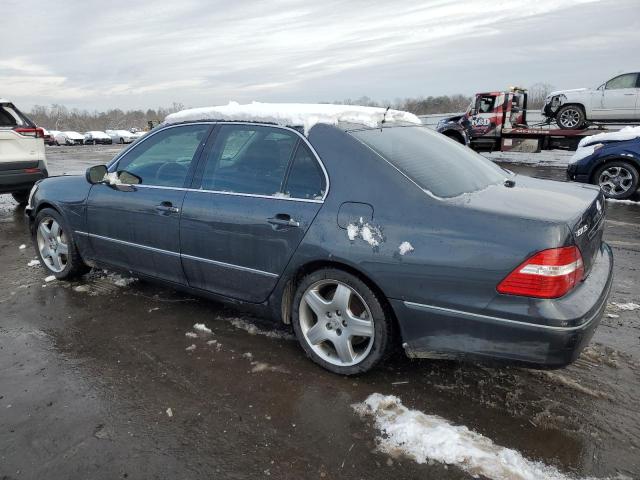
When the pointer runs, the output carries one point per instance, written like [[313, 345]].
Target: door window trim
[[200, 159]]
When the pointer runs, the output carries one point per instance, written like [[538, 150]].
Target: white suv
[[22, 159], [615, 101]]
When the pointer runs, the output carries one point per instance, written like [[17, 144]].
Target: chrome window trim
[[181, 255], [111, 166], [421, 306]]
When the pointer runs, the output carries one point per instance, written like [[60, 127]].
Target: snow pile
[[582, 152], [22, 247], [33, 263], [428, 438], [50, 278], [295, 114], [367, 232], [201, 327], [627, 133], [405, 247]]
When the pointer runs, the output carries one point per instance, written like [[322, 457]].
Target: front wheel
[[122, 140], [571, 117], [618, 180], [53, 241], [340, 322]]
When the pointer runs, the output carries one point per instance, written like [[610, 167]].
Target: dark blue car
[[361, 237], [610, 160]]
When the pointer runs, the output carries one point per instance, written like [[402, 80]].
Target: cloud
[[148, 52]]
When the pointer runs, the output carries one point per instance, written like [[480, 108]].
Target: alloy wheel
[[615, 181], [336, 323], [570, 117], [52, 244]]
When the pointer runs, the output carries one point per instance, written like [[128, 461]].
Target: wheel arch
[[288, 292], [573, 104]]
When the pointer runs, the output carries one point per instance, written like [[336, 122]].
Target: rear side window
[[306, 179], [437, 164], [164, 158], [9, 117], [249, 159]]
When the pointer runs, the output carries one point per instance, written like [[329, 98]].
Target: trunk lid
[[578, 207]]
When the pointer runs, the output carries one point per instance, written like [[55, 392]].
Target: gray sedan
[[361, 238]]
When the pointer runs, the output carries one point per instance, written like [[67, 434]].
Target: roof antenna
[[384, 117]]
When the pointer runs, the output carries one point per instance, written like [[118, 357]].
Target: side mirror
[[96, 174]]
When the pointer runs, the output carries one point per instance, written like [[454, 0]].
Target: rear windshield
[[436, 163]]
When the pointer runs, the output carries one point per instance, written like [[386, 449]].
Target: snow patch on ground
[[201, 327], [624, 202], [22, 247], [191, 335], [254, 330], [630, 306], [33, 263], [371, 234], [428, 438], [258, 367], [295, 114], [50, 278], [405, 247], [191, 347], [120, 281]]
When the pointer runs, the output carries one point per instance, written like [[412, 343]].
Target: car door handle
[[283, 219], [167, 207]]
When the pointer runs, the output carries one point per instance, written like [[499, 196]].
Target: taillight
[[548, 274], [30, 131]]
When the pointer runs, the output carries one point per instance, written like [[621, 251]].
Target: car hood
[[569, 91]]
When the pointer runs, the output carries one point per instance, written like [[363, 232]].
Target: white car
[[121, 136], [94, 137], [69, 138], [615, 101], [22, 158]]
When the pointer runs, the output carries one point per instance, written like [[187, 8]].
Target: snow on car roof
[[294, 114], [627, 133]]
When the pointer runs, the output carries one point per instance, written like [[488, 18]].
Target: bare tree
[[537, 94]]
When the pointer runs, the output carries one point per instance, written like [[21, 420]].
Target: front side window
[[164, 158], [628, 80], [249, 159], [486, 103], [437, 164], [306, 179]]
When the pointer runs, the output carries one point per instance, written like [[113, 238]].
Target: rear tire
[[21, 197], [55, 246], [617, 180], [340, 322], [571, 117], [122, 140]]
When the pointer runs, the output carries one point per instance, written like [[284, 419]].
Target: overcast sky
[[147, 53]]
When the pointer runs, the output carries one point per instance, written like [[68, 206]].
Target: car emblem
[[599, 206]]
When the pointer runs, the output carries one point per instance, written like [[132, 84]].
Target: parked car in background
[[138, 134], [479, 263], [47, 137], [95, 137], [610, 160], [52, 137], [615, 101], [120, 136], [22, 157], [69, 138]]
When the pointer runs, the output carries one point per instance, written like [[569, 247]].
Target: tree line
[[59, 117]]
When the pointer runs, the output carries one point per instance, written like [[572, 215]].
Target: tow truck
[[498, 121]]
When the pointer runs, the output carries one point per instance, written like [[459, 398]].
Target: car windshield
[[437, 164]]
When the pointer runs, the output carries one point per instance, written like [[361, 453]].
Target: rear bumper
[[549, 338], [20, 176]]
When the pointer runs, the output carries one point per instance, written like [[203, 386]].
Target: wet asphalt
[[96, 381]]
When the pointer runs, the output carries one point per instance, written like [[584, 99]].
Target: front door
[[618, 99], [257, 194], [137, 227]]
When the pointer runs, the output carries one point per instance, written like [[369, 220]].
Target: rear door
[[258, 191], [618, 99], [138, 229]]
